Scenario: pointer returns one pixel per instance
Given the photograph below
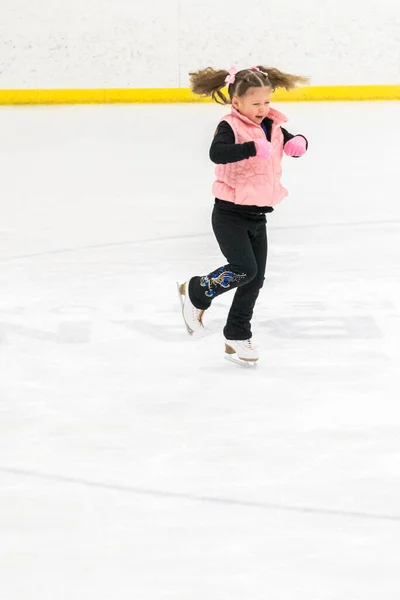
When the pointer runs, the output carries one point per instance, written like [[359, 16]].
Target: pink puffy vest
[[254, 181]]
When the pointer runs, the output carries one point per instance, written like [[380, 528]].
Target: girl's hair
[[209, 82]]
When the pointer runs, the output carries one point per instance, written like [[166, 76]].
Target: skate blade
[[245, 364], [179, 288]]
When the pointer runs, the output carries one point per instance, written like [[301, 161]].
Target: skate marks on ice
[[343, 320], [135, 243], [161, 331], [80, 324], [170, 327], [74, 324], [323, 327], [199, 498], [69, 324]]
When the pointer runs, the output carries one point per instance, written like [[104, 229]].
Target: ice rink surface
[[135, 463]]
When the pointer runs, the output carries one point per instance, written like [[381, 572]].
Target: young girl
[[247, 147]]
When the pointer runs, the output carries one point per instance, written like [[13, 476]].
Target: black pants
[[242, 238]]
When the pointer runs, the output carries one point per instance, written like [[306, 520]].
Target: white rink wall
[[127, 43]]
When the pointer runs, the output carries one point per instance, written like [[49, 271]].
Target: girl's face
[[254, 104]]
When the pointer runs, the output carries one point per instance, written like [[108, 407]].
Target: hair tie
[[259, 70]]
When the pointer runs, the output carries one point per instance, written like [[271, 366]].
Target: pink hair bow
[[232, 75]]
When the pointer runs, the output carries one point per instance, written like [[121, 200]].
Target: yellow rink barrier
[[167, 95]]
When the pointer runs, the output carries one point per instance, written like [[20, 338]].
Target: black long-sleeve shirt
[[224, 150]]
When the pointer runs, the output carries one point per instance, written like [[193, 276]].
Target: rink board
[[170, 95]]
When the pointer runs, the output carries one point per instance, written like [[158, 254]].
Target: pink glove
[[296, 147], [263, 147]]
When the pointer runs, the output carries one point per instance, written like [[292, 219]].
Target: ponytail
[[208, 82], [278, 79]]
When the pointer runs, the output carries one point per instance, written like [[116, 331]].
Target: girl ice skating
[[247, 148]]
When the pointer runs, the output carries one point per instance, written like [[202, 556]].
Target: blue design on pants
[[220, 278]]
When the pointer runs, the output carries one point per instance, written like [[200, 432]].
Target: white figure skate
[[191, 315], [241, 352]]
